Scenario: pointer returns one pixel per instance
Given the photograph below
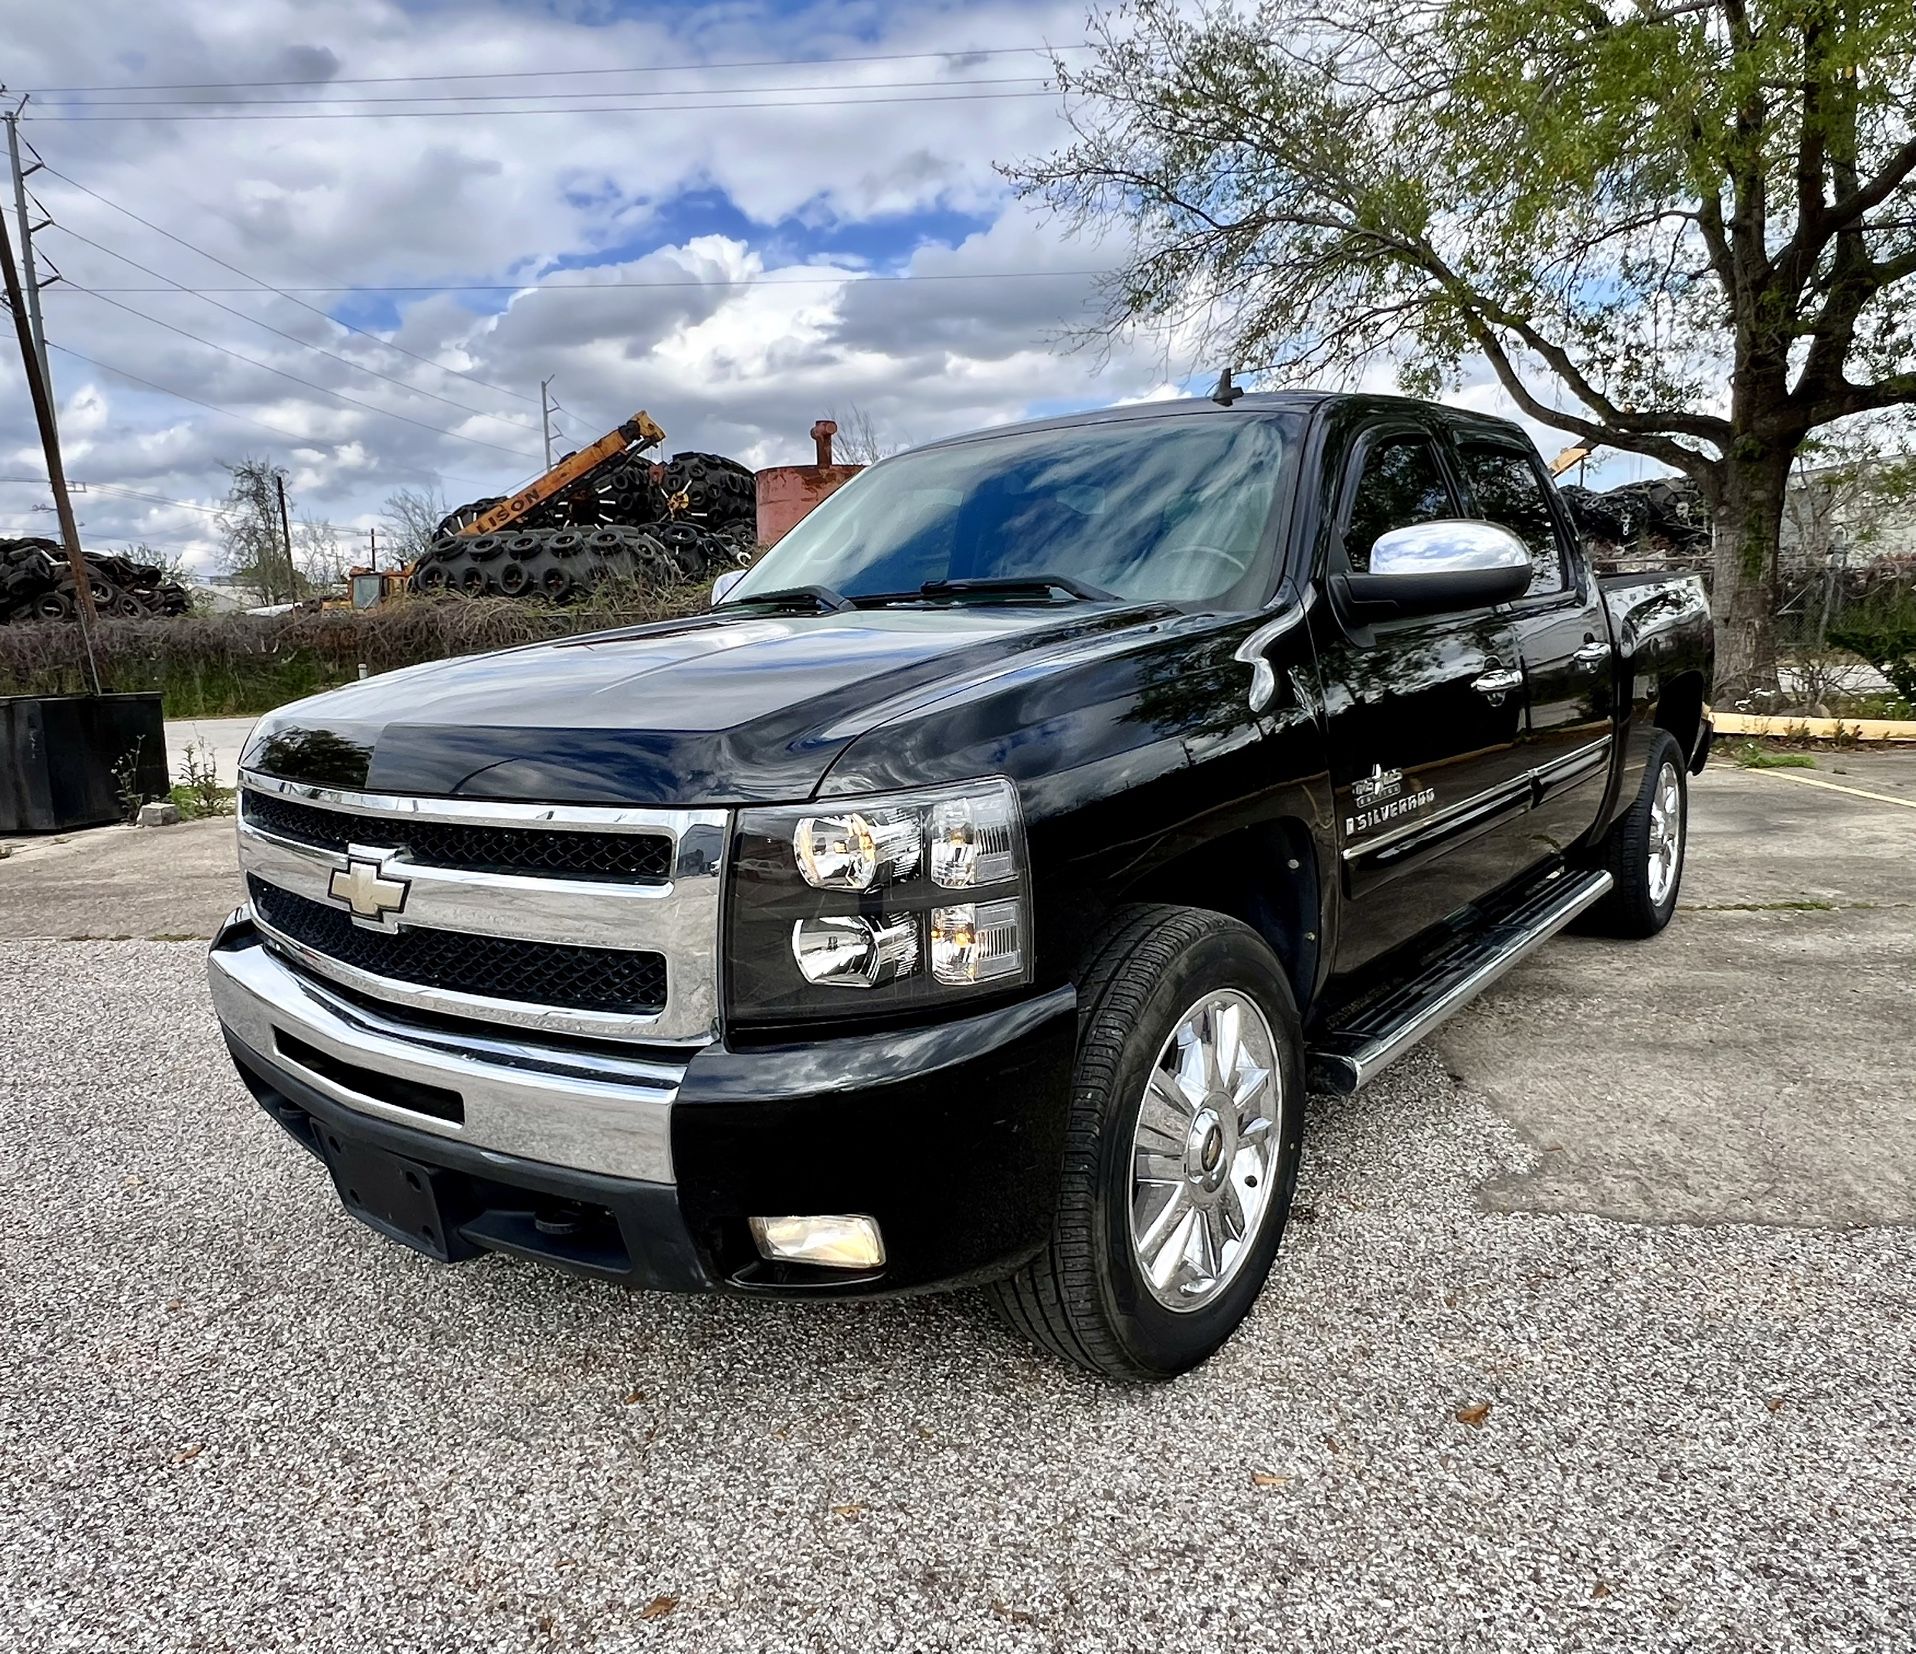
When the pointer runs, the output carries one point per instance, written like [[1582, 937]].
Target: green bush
[[1882, 629], [232, 665]]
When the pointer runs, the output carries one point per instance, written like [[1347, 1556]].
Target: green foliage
[[1882, 629], [201, 794], [126, 781], [1753, 755]]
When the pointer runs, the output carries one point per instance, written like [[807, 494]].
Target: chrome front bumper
[[606, 1113]]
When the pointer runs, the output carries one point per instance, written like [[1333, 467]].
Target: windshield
[[1147, 508]]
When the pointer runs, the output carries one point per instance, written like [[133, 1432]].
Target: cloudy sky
[[395, 220]]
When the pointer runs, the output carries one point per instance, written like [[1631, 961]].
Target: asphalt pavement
[[1603, 1345]]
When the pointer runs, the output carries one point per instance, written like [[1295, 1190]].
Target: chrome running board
[[1358, 1046]]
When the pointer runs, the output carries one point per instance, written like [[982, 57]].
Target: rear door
[[1562, 635], [1424, 717]]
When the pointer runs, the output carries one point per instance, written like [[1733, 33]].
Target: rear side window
[[1401, 484], [1508, 490]]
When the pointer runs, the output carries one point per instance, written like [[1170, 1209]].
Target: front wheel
[[1644, 848], [1181, 1150]]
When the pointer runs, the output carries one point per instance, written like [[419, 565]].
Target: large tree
[[1684, 228]]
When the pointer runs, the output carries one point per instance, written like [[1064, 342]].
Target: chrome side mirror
[[1451, 564], [1449, 545], [722, 587]]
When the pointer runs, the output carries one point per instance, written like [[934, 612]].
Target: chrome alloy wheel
[[1666, 834], [1205, 1152]]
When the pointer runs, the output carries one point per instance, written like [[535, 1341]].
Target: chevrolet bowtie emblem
[[363, 885]]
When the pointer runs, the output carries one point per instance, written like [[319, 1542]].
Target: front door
[[1563, 636], [1424, 718]]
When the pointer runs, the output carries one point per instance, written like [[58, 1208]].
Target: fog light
[[838, 1241]]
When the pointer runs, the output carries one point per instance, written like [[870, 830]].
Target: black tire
[[1084, 1297], [1635, 907]]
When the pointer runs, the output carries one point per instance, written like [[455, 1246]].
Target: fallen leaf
[[634, 1398], [1017, 1616], [1263, 1478], [192, 1452], [1600, 1589], [851, 1513], [1474, 1415], [1774, 1403], [658, 1608]]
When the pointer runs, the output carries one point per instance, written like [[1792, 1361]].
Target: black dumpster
[[67, 760]]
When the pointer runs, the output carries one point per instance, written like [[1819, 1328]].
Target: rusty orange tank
[[787, 492]]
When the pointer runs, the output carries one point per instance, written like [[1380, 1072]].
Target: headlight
[[878, 903]]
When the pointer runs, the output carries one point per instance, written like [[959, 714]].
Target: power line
[[848, 276], [116, 489], [259, 282], [521, 74], [309, 384], [491, 114], [247, 419], [508, 97], [291, 338], [181, 396]]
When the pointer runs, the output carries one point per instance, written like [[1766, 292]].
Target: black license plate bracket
[[412, 1203]]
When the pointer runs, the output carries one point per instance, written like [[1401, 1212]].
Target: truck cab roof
[[1348, 404]]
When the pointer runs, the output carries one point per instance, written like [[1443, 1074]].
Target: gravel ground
[[237, 1420]]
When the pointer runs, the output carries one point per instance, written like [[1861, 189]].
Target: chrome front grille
[[552, 851], [584, 920], [498, 967]]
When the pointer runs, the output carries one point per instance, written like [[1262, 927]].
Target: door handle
[[1593, 652], [1498, 682]]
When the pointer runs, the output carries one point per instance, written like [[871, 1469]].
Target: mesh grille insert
[[556, 852], [495, 967]]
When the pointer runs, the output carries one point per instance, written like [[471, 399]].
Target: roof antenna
[[1226, 393]]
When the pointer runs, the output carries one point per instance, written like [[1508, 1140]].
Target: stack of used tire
[[37, 584], [687, 520], [1663, 511]]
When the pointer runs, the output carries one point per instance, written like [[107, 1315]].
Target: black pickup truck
[[972, 894]]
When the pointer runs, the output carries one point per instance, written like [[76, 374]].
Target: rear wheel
[[1644, 848], [1181, 1153]]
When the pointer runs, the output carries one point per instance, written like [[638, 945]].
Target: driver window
[[1401, 483]]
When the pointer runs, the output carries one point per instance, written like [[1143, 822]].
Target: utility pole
[[50, 443], [545, 417], [29, 269], [286, 531]]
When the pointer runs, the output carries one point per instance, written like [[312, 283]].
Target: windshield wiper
[[821, 598], [1023, 585]]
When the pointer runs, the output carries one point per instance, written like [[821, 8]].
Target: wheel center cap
[[1204, 1151]]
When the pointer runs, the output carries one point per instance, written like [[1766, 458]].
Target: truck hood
[[712, 710]]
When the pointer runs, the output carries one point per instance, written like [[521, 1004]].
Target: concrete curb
[[1817, 729]]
